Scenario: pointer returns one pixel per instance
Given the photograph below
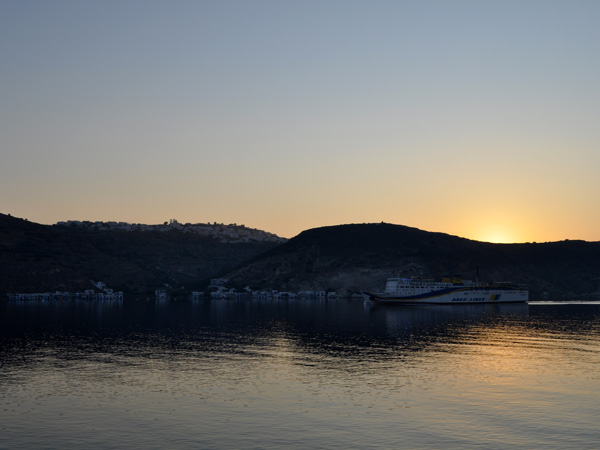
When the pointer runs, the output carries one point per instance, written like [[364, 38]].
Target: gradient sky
[[475, 118]]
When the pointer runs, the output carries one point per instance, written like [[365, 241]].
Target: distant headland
[[140, 259]]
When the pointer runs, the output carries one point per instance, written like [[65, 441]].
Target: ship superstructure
[[454, 290]]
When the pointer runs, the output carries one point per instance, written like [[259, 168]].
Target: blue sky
[[475, 118]]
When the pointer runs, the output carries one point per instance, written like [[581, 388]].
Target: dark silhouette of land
[[344, 258], [351, 258], [42, 258]]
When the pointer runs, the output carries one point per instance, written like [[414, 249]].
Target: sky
[[473, 118]]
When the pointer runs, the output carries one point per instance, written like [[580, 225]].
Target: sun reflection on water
[[299, 374]]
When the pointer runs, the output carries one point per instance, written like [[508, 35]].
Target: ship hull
[[452, 297]]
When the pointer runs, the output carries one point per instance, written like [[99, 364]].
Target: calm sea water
[[298, 374]]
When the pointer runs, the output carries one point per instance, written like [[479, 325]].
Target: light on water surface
[[299, 374]]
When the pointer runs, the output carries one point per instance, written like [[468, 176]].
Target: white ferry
[[417, 291]]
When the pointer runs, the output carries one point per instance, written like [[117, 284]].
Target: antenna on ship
[[476, 274]]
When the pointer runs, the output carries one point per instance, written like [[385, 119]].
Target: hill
[[346, 258], [68, 256], [350, 258]]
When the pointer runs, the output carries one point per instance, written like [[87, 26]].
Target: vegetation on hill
[[351, 258], [40, 258], [345, 258]]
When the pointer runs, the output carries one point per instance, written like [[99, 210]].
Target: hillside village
[[230, 234]]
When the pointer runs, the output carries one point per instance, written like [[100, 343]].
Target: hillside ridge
[[41, 258], [350, 258], [343, 258]]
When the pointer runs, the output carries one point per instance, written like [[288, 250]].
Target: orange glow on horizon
[[497, 234], [498, 237]]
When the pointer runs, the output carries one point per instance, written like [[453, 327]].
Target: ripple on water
[[330, 375]]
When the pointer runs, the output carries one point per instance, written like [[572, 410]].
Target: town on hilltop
[[232, 233]]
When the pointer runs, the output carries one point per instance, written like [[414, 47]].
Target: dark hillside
[[40, 258], [355, 257], [345, 258]]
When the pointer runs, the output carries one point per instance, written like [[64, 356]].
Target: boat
[[455, 290]]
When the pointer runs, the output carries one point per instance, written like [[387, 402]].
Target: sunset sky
[[474, 118]]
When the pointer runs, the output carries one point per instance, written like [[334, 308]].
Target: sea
[[298, 374]]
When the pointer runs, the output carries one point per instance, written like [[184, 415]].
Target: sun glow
[[496, 225], [497, 236]]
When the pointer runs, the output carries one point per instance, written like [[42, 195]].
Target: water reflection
[[400, 320], [328, 374], [338, 319], [338, 328]]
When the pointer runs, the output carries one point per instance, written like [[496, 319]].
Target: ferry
[[455, 290]]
